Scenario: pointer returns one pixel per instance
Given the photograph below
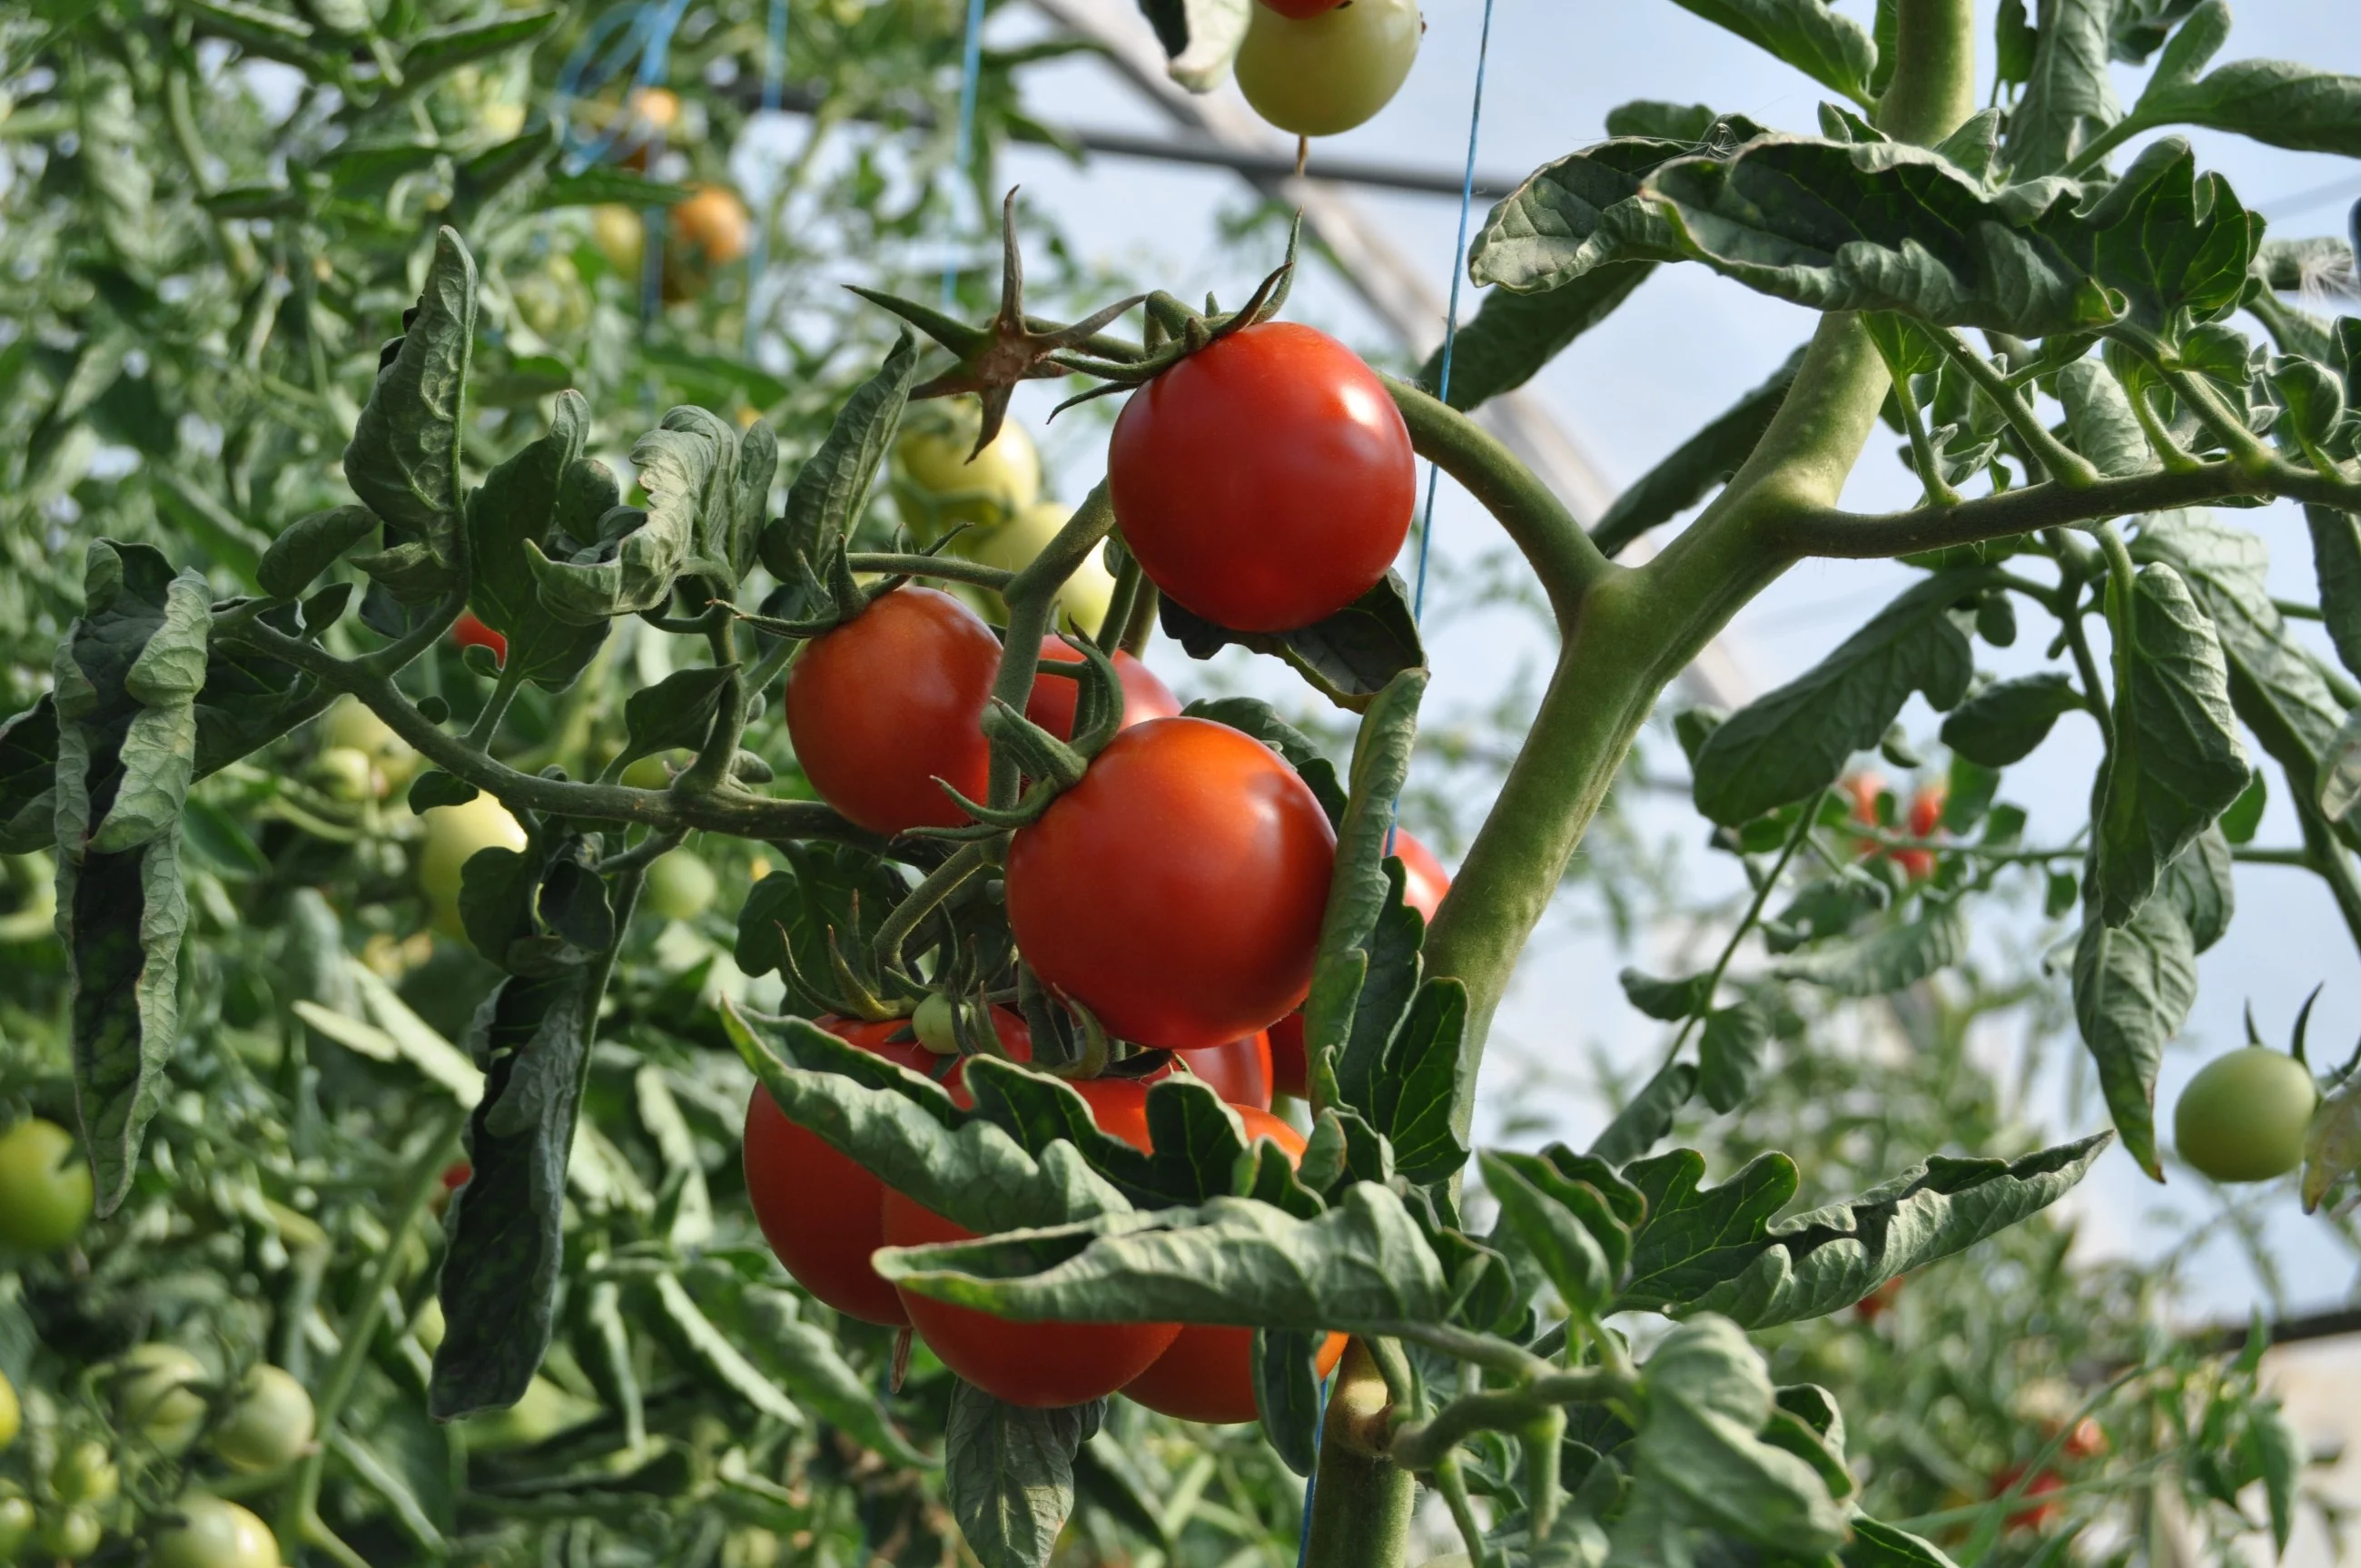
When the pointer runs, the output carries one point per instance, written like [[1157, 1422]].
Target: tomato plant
[[1265, 482], [886, 704], [336, 350], [1176, 890]]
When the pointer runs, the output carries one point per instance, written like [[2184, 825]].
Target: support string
[[971, 61]]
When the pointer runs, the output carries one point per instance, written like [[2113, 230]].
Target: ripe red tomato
[[1177, 891], [1422, 889], [1875, 1305], [1926, 810], [885, 703], [469, 632], [1240, 1072], [1208, 1375], [1040, 1365], [822, 1213], [2087, 1439], [1265, 481], [1052, 705], [2039, 1514]]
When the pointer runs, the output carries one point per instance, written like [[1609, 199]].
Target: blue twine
[[1311, 1482], [1449, 336], [971, 61]]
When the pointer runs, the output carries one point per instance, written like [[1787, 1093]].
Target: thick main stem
[[1361, 1505]]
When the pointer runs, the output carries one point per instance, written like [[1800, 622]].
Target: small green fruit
[[2244, 1116]]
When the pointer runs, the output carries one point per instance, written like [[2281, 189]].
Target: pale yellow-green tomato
[[544, 1410], [752, 1548], [932, 1023], [2244, 1116], [269, 1426], [453, 834], [949, 489], [74, 1533], [551, 298], [85, 1472], [621, 238], [350, 723], [12, 1416], [345, 773], [44, 1189], [156, 1398], [651, 772], [17, 1522], [1081, 600], [427, 1327], [680, 887], [212, 1533], [1330, 73]]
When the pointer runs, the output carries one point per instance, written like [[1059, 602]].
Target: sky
[[1685, 347]]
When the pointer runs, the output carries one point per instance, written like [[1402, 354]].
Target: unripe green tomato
[[74, 1533], [346, 773], [16, 1523], [453, 834], [1003, 479], [85, 1474], [552, 299], [622, 237], [212, 1533], [349, 723], [45, 1191], [648, 773], [680, 887], [932, 1023], [156, 1398], [1082, 599], [1330, 73], [269, 1426], [2244, 1116], [427, 1327], [12, 1415]]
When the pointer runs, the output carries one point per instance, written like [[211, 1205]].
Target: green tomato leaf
[[1641, 1125], [1512, 335], [1888, 959], [2133, 985], [28, 778], [1876, 1545], [1360, 889], [821, 890], [2201, 886], [1717, 1249], [689, 466], [1730, 1054], [2099, 416], [717, 1354], [506, 1254], [2069, 95], [549, 490], [2002, 723], [602, 185], [2336, 561], [1009, 1474], [1668, 1000], [1578, 1234], [2276, 101], [1785, 746], [1696, 466], [2178, 762], [1831, 47], [1583, 212], [676, 712], [1699, 1463], [437, 53], [404, 456], [2276, 688], [123, 688], [1364, 1263], [1663, 121], [1288, 1396], [831, 491], [309, 546]]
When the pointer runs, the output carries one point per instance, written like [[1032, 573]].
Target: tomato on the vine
[[1317, 75], [1265, 481], [468, 632], [1039, 1365], [880, 708], [1208, 1375], [73, 1533], [989, 492], [16, 1524], [1054, 697], [2245, 1116], [1177, 891], [821, 1212], [45, 1187], [680, 887], [1302, 9], [2039, 1514], [85, 1472], [1240, 1072], [352, 723], [156, 1398], [1425, 882], [1878, 1302], [270, 1425], [213, 1533], [704, 234], [454, 836]]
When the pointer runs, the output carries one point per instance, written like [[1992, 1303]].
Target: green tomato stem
[[1030, 596], [943, 568], [1362, 1503]]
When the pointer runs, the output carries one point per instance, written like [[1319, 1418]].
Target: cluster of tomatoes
[[1923, 819], [162, 1400], [1176, 892]]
